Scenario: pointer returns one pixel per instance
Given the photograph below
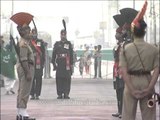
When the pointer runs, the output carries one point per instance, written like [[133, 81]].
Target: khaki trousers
[[24, 88], [130, 103]]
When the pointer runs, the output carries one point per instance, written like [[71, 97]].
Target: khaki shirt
[[148, 54], [26, 53]]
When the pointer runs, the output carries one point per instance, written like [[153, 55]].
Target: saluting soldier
[[62, 60], [25, 68], [137, 60]]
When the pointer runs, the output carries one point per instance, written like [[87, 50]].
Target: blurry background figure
[[38, 47], [94, 55], [74, 60], [8, 62], [1, 46], [99, 60], [87, 59], [47, 65], [81, 64]]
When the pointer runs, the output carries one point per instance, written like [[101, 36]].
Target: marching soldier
[[137, 60], [62, 60], [25, 66], [38, 46]]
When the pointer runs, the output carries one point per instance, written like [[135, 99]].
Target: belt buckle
[[63, 55]]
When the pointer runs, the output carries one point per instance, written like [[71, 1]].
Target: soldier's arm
[[154, 78], [155, 71], [53, 60]]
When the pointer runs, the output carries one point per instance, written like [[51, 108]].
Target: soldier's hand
[[137, 94]]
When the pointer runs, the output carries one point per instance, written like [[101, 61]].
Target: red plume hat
[[22, 18], [135, 22]]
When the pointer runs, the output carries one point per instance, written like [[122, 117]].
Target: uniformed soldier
[[118, 83], [25, 70], [38, 46], [62, 60], [137, 60]]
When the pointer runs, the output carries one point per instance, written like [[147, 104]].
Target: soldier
[[38, 46], [62, 60], [118, 83], [25, 69], [137, 60]]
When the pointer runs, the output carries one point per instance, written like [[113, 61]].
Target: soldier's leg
[[146, 112], [95, 69], [23, 96], [59, 83], [24, 92], [81, 70], [38, 85], [120, 99], [33, 88], [118, 113], [67, 85], [99, 69], [129, 106]]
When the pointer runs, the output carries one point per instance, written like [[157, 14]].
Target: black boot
[[59, 97], [116, 115], [19, 117], [66, 96], [32, 97]]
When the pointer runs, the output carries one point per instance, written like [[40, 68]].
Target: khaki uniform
[[149, 56], [26, 54]]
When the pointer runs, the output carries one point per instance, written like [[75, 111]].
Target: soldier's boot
[[66, 96], [19, 117]]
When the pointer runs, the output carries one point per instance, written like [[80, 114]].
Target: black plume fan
[[64, 24]]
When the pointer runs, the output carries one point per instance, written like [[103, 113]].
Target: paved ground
[[91, 99]]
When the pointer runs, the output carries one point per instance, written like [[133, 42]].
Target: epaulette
[[22, 43]]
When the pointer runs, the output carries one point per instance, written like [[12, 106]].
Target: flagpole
[[12, 11], [133, 4], [11, 26]]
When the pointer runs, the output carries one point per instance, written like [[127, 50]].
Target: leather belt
[[61, 55], [139, 72]]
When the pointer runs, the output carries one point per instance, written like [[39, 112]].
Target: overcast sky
[[83, 15]]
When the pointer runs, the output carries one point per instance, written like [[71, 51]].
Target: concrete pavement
[[91, 99]]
